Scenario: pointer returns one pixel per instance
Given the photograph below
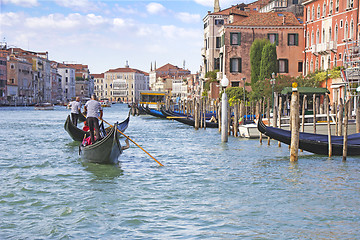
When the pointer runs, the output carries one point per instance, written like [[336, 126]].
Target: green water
[[206, 190]]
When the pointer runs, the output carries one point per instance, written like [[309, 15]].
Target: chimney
[[216, 6], [284, 17]]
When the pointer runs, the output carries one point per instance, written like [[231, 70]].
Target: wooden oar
[[134, 143]]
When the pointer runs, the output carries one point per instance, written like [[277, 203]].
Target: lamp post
[[224, 110], [272, 82]]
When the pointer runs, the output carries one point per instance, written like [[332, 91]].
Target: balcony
[[313, 49], [331, 46]]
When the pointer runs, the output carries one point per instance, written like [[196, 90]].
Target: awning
[[305, 90]]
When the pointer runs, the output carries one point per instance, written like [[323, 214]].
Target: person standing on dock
[[94, 112], [75, 110]]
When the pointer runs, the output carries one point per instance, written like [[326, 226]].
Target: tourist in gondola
[[94, 113], [75, 110]]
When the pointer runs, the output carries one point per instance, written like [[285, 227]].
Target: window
[[219, 22], [216, 63], [218, 42], [293, 39], [300, 66], [235, 38], [313, 13], [274, 38], [346, 31], [66, 79], [295, 1], [308, 15], [283, 66], [317, 36], [235, 65], [312, 38], [323, 36], [324, 10], [336, 33], [352, 29], [318, 11], [331, 7], [329, 34], [307, 39], [235, 84], [337, 6]]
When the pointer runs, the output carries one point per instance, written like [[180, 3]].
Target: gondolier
[[75, 110], [94, 112]]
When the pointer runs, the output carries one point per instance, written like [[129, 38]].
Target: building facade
[[67, 82], [125, 84]]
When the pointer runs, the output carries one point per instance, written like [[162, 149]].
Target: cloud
[[23, 3], [10, 18], [155, 8], [223, 3], [80, 5], [187, 17]]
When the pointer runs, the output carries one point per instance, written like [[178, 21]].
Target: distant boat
[[105, 103], [44, 106]]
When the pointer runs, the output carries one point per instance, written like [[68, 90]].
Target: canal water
[[206, 190]]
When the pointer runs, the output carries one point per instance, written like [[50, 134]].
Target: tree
[[211, 77], [268, 64], [255, 58]]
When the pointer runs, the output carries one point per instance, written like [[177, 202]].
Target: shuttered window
[[235, 38], [293, 39], [283, 66], [274, 38], [235, 65]]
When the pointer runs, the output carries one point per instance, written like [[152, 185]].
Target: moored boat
[[104, 151], [44, 106], [314, 143], [186, 119]]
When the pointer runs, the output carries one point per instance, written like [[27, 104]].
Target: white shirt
[[93, 108], [75, 107]]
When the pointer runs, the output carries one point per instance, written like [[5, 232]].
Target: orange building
[[282, 28]]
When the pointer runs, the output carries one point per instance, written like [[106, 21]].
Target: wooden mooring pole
[[346, 120], [328, 123], [294, 112]]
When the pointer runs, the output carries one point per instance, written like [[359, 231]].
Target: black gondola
[[185, 119], [78, 135], [314, 143], [154, 112], [105, 151]]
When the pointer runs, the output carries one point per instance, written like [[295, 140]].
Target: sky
[[105, 34]]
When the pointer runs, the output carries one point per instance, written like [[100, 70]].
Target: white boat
[[251, 131], [44, 106]]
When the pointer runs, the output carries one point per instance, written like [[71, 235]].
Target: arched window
[[337, 6], [318, 11], [316, 64], [307, 39], [311, 65], [324, 10], [329, 34], [331, 7], [308, 15], [317, 36], [346, 30], [323, 36], [352, 29], [313, 13], [312, 38], [336, 33]]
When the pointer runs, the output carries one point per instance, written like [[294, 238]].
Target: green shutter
[[231, 64], [296, 39], [240, 65], [222, 40], [286, 65], [239, 39], [277, 39]]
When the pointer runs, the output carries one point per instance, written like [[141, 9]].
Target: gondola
[[105, 151], [154, 112], [78, 135], [186, 120], [314, 143]]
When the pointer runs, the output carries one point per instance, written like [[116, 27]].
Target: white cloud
[[54, 21], [23, 3], [223, 3], [10, 18], [80, 5], [187, 17], [155, 8]]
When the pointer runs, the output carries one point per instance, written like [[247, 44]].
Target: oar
[[134, 143]]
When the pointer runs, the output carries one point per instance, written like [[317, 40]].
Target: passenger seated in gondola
[[86, 127]]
